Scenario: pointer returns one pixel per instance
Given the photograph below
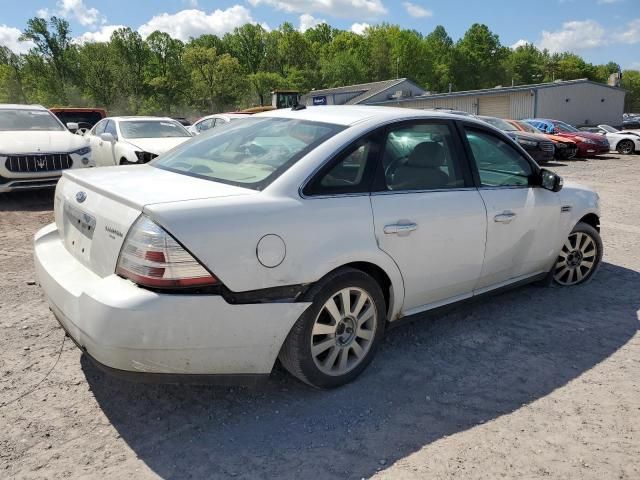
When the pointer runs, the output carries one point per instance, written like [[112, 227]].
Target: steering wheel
[[390, 170]]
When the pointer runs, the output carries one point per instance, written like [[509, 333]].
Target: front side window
[[110, 127], [14, 120], [152, 129], [421, 157], [250, 153], [499, 164], [205, 124]]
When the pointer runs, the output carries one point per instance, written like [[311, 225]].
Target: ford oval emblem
[[81, 196]]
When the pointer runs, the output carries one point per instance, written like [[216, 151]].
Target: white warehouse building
[[578, 102]]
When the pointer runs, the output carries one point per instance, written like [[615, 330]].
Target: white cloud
[[608, 2], [416, 11], [101, 35], [193, 23], [520, 43], [574, 35], [335, 8], [76, 9], [359, 28], [9, 38], [307, 21], [631, 34], [191, 3]]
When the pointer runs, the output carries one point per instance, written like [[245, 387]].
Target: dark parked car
[[538, 146]]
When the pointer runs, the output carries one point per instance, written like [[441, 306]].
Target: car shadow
[[430, 379], [27, 200]]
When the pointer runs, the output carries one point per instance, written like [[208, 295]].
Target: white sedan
[[213, 121], [129, 140], [35, 148], [622, 141], [301, 234]]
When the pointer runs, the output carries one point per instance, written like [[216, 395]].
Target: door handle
[[505, 217], [400, 228]]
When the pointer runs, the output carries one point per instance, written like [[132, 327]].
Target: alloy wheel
[[576, 260], [626, 147], [343, 331]]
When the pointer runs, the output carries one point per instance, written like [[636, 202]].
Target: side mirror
[[72, 126], [107, 137], [550, 180]]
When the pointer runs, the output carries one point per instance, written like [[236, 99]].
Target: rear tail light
[[151, 257]]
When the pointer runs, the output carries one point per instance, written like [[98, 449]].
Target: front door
[[427, 215], [522, 219]]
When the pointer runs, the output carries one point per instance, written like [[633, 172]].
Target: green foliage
[[160, 74], [631, 82]]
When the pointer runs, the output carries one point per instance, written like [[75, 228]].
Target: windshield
[[152, 129], [251, 153], [528, 128], [499, 123], [34, 120], [608, 128], [564, 127]]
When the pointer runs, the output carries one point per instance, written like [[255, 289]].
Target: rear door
[[428, 216], [522, 218]]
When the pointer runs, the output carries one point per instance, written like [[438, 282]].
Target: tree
[[439, 49], [265, 82], [248, 44], [131, 55], [478, 59], [525, 64], [631, 82], [54, 47], [164, 72], [11, 66], [97, 63]]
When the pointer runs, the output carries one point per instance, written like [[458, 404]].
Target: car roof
[[148, 118], [348, 115], [18, 106]]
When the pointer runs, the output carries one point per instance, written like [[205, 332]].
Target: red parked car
[[589, 144]]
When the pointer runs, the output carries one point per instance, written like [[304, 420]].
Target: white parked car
[[130, 140], [217, 120], [35, 148], [622, 141], [301, 234]]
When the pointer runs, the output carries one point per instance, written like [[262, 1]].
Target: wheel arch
[[591, 219], [393, 291]]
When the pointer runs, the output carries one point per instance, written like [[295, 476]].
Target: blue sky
[[599, 30]]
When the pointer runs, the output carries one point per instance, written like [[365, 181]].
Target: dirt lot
[[534, 383]]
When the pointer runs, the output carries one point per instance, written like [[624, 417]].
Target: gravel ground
[[534, 383]]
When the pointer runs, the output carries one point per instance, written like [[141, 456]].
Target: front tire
[[336, 338], [626, 147], [579, 258]]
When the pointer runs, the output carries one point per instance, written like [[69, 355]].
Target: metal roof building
[[578, 102], [364, 93]]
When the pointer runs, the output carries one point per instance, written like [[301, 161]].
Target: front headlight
[[586, 140], [527, 143], [83, 151]]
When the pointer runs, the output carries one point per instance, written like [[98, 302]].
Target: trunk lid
[[94, 208]]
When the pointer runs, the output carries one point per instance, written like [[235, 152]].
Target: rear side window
[[499, 164], [421, 156]]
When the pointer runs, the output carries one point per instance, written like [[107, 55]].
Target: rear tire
[[579, 258], [336, 338], [625, 147]]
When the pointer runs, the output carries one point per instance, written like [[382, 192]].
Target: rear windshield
[[33, 120], [251, 153], [528, 128], [152, 129], [499, 123]]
